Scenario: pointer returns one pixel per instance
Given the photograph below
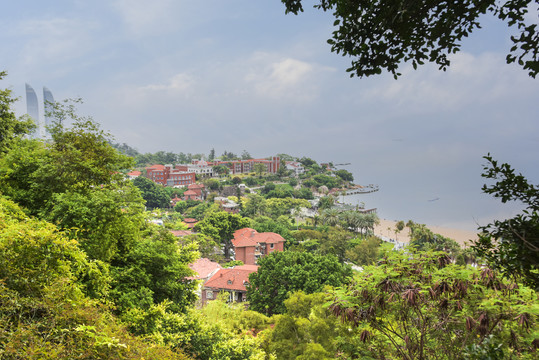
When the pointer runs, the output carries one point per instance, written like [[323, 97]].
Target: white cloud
[[484, 79], [178, 84], [283, 78]]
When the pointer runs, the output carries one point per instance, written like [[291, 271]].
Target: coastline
[[460, 236]]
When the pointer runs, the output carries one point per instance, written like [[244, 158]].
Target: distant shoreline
[[460, 236]]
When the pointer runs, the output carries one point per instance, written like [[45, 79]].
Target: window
[[209, 294], [271, 246]]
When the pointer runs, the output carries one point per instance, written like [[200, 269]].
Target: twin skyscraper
[[32, 108]]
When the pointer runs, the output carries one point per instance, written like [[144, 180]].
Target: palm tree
[[352, 219], [330, 217], [371, 219], [316, 220]]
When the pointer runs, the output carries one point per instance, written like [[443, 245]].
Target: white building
[[296, 167]]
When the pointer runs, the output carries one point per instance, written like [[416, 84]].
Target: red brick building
[[250, 245], [231, 280], [167, 175], [246, 166]]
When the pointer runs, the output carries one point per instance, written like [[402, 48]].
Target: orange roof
[[134, 173], [156, 167], [244, 232], [181, 233], [195, 186], [235, 278], [249, 237], [189, 220], [203, 268], [269, 238], [189, 192]]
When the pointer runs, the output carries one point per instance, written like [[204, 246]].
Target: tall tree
[[380, 34], [106, 222], [154, 194], [220, 226], [11, 127], [153, 271], [260, 169], [245, 155], [331, 217], [512, 245], [281, 273], [79, 159]]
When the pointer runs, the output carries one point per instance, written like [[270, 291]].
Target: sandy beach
[[460, 236]]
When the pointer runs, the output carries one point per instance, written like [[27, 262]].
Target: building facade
[[250, 245], [233, 281], [247, 166], [32, 109], [167, 175]]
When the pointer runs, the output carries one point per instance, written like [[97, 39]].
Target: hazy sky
[[188, 76]]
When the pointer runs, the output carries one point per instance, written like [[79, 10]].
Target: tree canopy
[[512, 245], [281, 273], [422, 306], [220, 226], [155, 195], [11, 127], [381, 34]]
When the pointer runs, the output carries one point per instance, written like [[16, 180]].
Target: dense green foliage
[[379, 35], [422, 306], [345, 175], [154, 271], [160, 157], [78, 160], [220, 226], [281, 273], [11, 128], [154, 194], [307, 330], [105, 221], [424, 239], [46, 312], [512, 245]]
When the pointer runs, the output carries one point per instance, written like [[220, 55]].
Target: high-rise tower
[[48, 105], [32, 109]]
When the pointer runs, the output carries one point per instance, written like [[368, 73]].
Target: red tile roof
[[181, 233], [232, 279], [249, 237], [195, 186], [203, 268], [134, 173], [189, 192]]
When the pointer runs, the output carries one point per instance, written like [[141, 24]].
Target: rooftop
[[235, 278]]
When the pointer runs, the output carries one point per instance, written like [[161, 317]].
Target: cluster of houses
[[185, 174], [248, 246]]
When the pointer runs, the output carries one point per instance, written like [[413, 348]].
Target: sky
[[189, 76]]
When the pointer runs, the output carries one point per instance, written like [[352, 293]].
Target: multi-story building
[[246, 166], [250, 245], [167, 175]]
